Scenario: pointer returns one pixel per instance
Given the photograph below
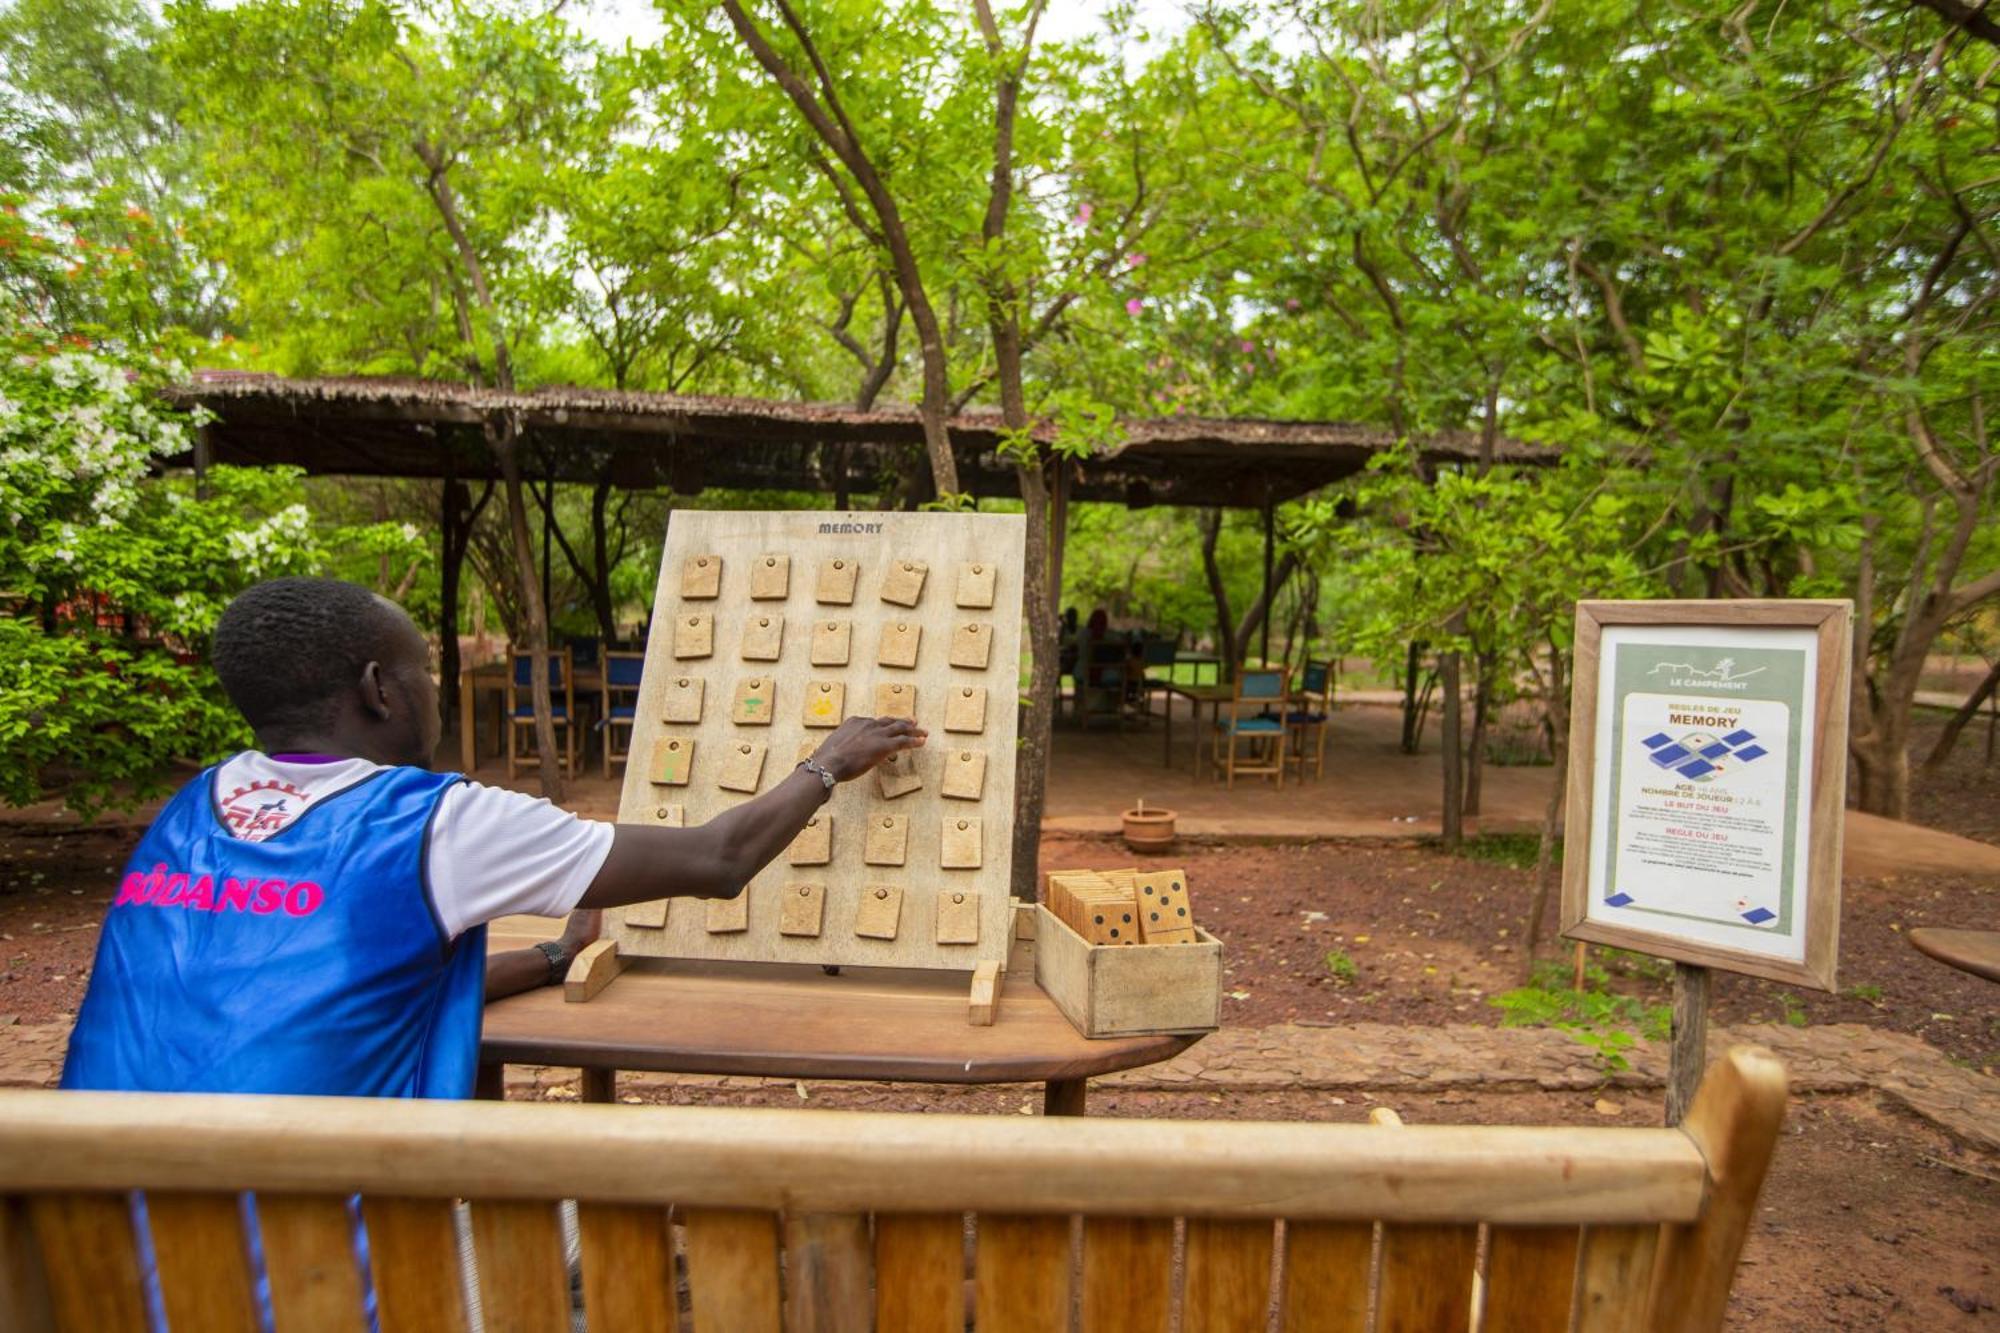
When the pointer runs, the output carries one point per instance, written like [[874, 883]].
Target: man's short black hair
[[284, 650]]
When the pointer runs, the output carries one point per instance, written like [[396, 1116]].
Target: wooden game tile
[[763, 637], [742, 766], [770, 578], [673, 761], [904, 583], [682, 700], [814, 844], [961, 847], [836, 581], [971, 645], [958, 917], [802, 910], [694, 634], [965, 708], [887, 842], [896, 698], [701, 576], [897, 775], [728, 916], [754, 702], [964, 775], [829, 642], [647, 916], [880, 913], [824, 701], [1165, 915], [975, 585], [899, 643]]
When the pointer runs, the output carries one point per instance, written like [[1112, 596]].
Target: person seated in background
[[309, 916]]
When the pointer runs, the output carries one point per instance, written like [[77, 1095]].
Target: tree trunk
[[1454, 751], [503, 439], [1225, 628], [1031, 771], [1475, 749], [1968, 710], [1413, 712], [600, 581], [1556, 707]]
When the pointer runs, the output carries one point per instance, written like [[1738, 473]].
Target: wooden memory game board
[[768, 630]]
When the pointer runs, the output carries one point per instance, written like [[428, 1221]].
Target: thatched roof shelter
[[378, 426]]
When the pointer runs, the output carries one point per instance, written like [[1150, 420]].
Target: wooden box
[[1122, 991]]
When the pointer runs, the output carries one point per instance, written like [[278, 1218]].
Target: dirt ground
[[1872, 1219]]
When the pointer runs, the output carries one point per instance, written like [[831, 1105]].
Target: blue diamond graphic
[[1656, 740], [1673, 754], [1618, 900], [1695, 769], [1749, 752], [1740, 736], [1757, 916]]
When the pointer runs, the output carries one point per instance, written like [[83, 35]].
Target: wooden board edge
[[594, 969]]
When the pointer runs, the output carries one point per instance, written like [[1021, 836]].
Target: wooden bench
[[843, 1220]]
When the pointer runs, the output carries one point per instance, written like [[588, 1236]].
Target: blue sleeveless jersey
[[312, 962]]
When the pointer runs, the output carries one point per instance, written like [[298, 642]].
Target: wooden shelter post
[[1270, 550]]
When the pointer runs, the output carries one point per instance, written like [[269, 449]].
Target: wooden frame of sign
[[770, 628], [1707, 783]]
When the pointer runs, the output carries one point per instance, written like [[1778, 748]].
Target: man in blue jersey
[[309, 916]]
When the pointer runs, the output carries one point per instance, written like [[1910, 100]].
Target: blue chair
[[1265, 730], [1107, 681], [1307, 718], [521, 709], [622, 672]]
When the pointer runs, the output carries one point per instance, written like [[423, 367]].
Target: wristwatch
[[821, 771], [558, 960]]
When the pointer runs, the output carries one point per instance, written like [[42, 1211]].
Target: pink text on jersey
[[259, 897]]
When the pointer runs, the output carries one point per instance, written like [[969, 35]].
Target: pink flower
[[1134, 260], [1291, 303], [1134, 306], [1083, 213], [1249, 346]]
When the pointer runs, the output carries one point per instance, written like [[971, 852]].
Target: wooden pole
[[1058, 535], [1690, 1039], [1270, 548], [204, 454]]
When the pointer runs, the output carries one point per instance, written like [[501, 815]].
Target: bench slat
[[732, 1264], [1326, 1279], [628, 1268], [523, 1281], [309, 1255], [919, 1268], [1615, 1278], [92, 1261], [24, 1292], [829, 1270], [203, 1261], [1020, 1274], [1128, 1274], [852, 1161], [1426, 1284], [413, 1254], [1530, 1275], [1228, 1276]]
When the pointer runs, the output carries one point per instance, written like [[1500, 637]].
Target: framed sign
[[1707, 781]]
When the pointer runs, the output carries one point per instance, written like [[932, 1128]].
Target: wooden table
[[1213, 695], [780, 1021], [1974, 951], [493, 676]]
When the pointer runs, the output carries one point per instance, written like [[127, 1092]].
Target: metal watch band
[[818, 769], [558, 960]]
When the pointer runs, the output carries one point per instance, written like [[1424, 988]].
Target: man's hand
[[861, 743]]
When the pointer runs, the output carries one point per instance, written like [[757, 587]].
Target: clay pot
[[1149, 830]]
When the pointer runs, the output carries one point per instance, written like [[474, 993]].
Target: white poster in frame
[[1707, 783]]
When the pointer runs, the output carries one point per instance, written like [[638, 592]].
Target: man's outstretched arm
[[716, 859]]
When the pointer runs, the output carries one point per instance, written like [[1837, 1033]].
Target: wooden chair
[[1156, 653], [850, 1220], [521, 709], [622, 672], [1307, 717], [1261, 690], [1107, 683]]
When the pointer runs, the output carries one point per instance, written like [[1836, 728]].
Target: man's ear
[[374, 695]]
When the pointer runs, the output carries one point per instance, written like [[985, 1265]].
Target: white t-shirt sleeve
[[495, 851]]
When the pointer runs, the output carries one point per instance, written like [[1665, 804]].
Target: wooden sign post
[[1707, 780]]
